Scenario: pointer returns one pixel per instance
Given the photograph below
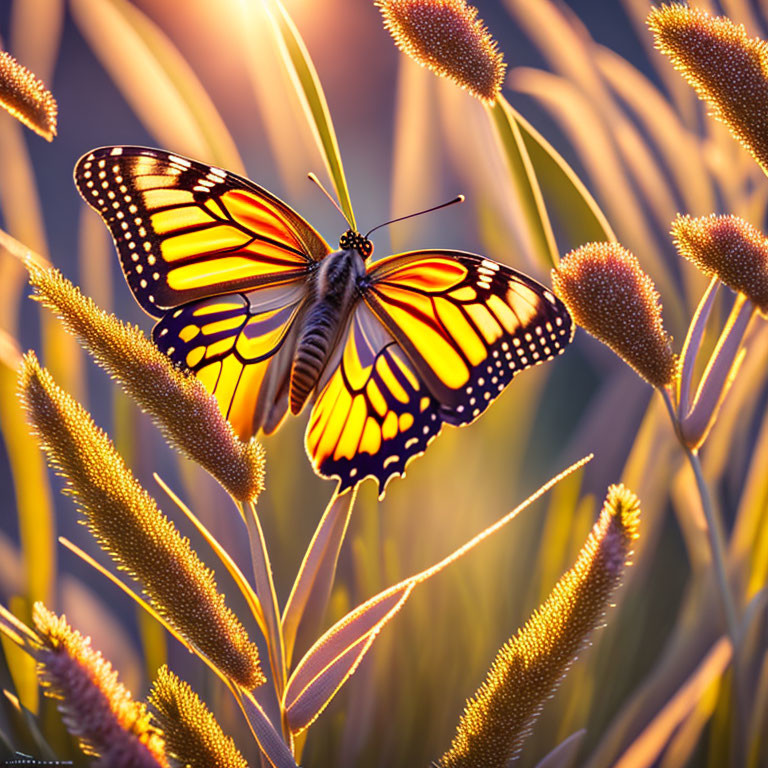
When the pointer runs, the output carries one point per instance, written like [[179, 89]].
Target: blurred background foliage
[[205, 80]]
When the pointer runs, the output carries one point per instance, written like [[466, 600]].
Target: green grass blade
[[581, 216], [310, 92], [526, 184]]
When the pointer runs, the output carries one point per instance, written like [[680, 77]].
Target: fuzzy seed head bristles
[[192, 735], [95, 706], [728, 69], [528, 669], [25, 96], [187, 415], [729, 248], [610, 296], [447, 37], [126, 522]]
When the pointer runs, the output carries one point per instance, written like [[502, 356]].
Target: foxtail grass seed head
[[192, 735], [528, 669], [728, 69], [729, 248], [25, 96], [187, 415], [447, 37], [610, 296], [95, 706], [128, 525]]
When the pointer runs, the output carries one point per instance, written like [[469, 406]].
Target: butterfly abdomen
[[333, 296]]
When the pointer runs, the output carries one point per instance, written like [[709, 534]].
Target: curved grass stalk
[[309, 596], [560, 183], [310, 91], [526, 184], [265, 589], [714, 531]]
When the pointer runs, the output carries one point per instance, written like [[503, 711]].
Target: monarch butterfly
[[253, 300]]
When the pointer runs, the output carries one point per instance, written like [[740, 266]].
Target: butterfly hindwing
[[374, 413], [468, 324], [240, 346], [185, 230]]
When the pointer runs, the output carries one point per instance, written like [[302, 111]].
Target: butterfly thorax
[[332, 295]]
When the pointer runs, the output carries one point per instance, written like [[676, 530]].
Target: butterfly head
[[352, 240]]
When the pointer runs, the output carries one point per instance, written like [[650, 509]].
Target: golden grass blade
[[309, 597], [15, 629], [154, 643], [290, 137], [155, 80], [36, 27], [231, 566], [310, 91], [689, 734], [749, 540], [563, 189], [587, 133], [558, 532], [30, 478], [476, 153], [265, 589], [337, 654], [21, 666], [221, 147], [523, 177], [692, 345], [648, 746]]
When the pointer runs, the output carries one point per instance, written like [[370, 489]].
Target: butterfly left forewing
[[185, 230], [468, 324]]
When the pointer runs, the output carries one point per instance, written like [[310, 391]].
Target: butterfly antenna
[[314, 178], [458, 199]]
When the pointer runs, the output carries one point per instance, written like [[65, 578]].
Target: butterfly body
[[333, 290], [253, 301]]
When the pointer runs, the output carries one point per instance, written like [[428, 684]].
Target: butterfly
[[251, 299]]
